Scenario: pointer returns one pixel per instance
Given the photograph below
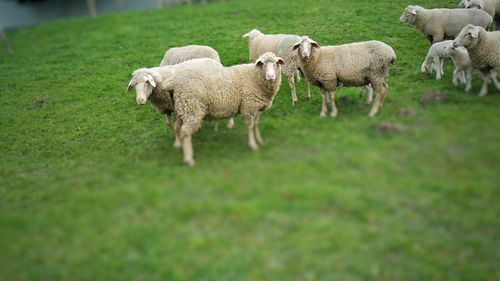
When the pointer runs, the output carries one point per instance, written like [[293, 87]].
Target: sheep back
[[181, 54]]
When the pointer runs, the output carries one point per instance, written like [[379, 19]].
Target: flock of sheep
[[192, 85]]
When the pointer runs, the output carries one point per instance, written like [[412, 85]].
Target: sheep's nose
[[270, 76], [141, 101], [306, 56]]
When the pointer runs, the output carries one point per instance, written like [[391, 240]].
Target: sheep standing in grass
[[181, 54], [210, 91], [440, 24], [463, 65], [484, 52], [435, 59], [351, 65], [281, 45], [492, 7]]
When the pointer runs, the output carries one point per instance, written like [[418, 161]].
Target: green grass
[[91, 188]]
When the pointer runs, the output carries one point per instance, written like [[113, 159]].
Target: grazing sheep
[[484, 52], [181, 54], [281, 45], [440, 24], [435, 59], [351, 65], [492, 7], [211, 91], [463, 65]]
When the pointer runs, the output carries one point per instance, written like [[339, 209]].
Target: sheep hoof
[[254, 146], [189, 162], [230, 125], [308, 98], [483, 93], [372, 114], [333, 114], [294, 103], [322, 114]]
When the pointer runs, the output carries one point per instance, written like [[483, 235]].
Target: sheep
[[281, 45], [355, 64], [441, 24], [181, 54], [463, 4], [492, 7], [435, 59], [208, 90], [484, 52], [463, 65]]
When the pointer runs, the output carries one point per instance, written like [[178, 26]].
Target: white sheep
[[440, 24], [204, 89], [492, 7], [484, 52], [463, 65], [181, 54], [350, 65], [281, 45], [435, 59]]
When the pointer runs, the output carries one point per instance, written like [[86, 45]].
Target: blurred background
[[16, 13]]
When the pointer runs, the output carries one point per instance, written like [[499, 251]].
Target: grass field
[[91, 188]]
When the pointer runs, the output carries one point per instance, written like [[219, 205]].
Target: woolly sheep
[[440, 24], [181, 54], [463, 65], [492, 7], [281, 45], [150, 84], [435, 58], [351, 65], [484, 52], [211, 91]]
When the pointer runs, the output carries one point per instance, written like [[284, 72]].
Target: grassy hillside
[[91, 188]]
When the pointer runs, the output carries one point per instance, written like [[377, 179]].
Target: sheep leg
[[469, 79], [187, 149], [324, 109], [455, 77], [493, 75], [168, 120], [291, 82], [369, 98], [308, 88], [381, 89], [333, 107], [484, 88], [177, 126], [189, 126], [250, 121], [437, 67], [230, 123], [258, 136], [426, 65], [441, 66]]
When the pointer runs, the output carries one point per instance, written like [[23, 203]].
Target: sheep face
[[144, 85], [450, 50], [409, 15], [269, 66], [468, 36], [463, 4], [305, 48]]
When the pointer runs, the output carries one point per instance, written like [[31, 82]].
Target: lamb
[[484, 52], [441, 24], [435, 59], [492, 7], [351, 65], [204, 89], [181, 54], [463, 65], [281, 45]]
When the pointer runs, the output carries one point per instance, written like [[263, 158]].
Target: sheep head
[[269, 66], [144, 83]]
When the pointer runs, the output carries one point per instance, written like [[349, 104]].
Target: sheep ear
[[314, 44], [130, 86], [259, 63], [280, 61], [246, 35], [295, 46], [150, 80], [414, 11]]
